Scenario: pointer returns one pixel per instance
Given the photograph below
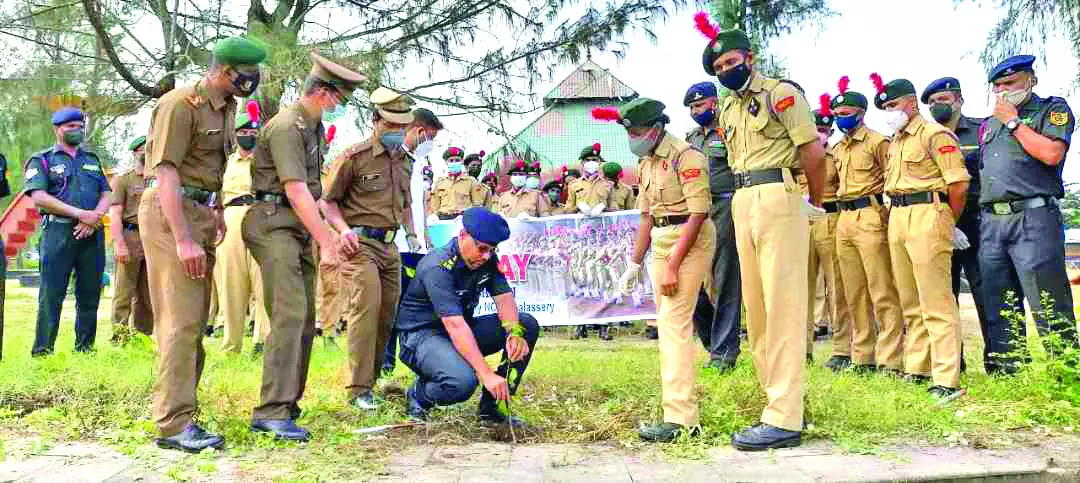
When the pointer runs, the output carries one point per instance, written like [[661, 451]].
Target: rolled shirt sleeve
[[287, 149], [794, 113], [694, 177], [170, 133], [36, 177], [945, 151], [1059, 123]]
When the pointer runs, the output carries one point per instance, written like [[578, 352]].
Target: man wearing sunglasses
[[441, 340]]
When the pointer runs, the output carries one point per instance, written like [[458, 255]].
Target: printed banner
[[565, 269]]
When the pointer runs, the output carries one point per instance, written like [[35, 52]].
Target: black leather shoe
[[604, 333], [418, 410], [284, 429], [821, 332], [651, 333], [764, 437], [724, 366], [192, 440], [945, 395], [838, 363], [916, 379], [295, 412], [664, 432], [581, 332]]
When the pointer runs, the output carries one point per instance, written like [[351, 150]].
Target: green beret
[[642, 112], [894, 90], [239, 51], [243, 121], [138, 142], [725, 41], [612, 169], [850, 99], [592, 150]]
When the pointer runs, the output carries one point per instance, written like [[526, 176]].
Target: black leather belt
[[198, 195], [923, 198], [757, 177], [1016, 206], [673, 220], [275, 198], [448, 216], [831, 207], [385, 235], [131, 226], [860, 203], [244, 200], [51, 218]]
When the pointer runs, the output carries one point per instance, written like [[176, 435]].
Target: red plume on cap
[[705, 26], [565, 169], [826, 101], [481, 153], [596, 148], [842, 85], [253, 111], [455, 152], [330, 133], [609, 114], [879, 86], [519, 164], [536, 166]]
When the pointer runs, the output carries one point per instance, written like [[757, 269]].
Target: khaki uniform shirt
[[622, 197], [862, 158], [763, 127], [192, 130], [237, 181], [592, 191], [289, 148], [515, 202], [832, 178], [455, 194], [924, 156], [127, 191], [674, 180], [365, 182]]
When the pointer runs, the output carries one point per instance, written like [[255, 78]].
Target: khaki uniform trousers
[[132, 289], [329, 304], [862, 246], [675, 319], [921, 245], [238, 282], [181, 305], [773, 239], [371, 285], [282, 247], [824, 267]]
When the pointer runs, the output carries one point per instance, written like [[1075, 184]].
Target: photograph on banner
[[565, 269]]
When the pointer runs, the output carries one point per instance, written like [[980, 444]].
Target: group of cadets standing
[[755, 195]]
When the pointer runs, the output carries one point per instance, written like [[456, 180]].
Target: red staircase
[[17, 224]]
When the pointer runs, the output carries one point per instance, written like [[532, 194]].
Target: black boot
[[604, 334], [651, 333], [581, 332]]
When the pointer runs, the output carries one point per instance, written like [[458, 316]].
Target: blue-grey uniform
[[78, 182], [445, 286], [717, 321], [1021, 221]]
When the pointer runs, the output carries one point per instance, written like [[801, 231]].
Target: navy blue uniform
[[79, 182], [1022, 226], [717, 321], [408, 272], [445, 287]]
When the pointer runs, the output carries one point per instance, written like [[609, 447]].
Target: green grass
[[575, 392]]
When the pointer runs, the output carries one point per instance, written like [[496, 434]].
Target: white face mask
[[517, 180], [896, 119], [591, 167], [1017, 97], [424, 149]]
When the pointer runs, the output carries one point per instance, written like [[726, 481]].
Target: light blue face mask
[[454, 168], [392, 140], [532, 183], [331, 116]]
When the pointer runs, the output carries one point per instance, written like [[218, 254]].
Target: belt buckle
[[742, 180], [661, 222], [389, 235], [1001, 208], [211, 201]]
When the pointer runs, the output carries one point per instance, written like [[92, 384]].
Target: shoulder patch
[[947, 149], [1058, 118], [30, 173], [195, 101], [449, 263], [689, 174], [783, 104]]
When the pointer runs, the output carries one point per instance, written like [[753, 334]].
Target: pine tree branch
[[94, 15]]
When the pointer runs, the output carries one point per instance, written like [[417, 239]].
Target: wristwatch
[[1012, 124]]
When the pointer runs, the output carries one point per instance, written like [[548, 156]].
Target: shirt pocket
[[373, 181], [918, 165], [765, 126], [670, 189]]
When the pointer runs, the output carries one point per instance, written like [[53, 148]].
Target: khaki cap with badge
[[343, 79], [392, 106]]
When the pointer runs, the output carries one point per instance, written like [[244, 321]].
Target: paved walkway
[[1054, 461]]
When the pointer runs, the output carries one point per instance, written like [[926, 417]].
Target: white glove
[[584, 208], [629, 278], [432, 218], [598, 209], [523, 216], [811, 211], [414, 243], [960, 240]]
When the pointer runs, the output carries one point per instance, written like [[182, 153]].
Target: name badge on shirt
[[211, 132], [91, 167]]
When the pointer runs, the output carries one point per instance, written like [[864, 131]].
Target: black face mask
[[735, 78], [246, 142], [246, 83], [941, 112], [474, 172]]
